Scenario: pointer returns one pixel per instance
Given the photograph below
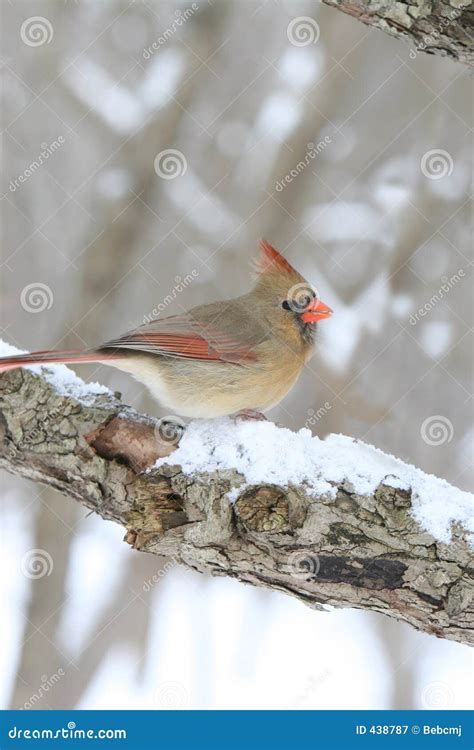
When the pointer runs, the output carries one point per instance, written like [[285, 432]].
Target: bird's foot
[[250, 414]]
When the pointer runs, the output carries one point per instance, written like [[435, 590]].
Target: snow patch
[[263, 452]]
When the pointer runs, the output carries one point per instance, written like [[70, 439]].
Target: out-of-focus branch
[[437, 27], [364, 551]]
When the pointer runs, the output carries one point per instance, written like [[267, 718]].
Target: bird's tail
[[53, 357]]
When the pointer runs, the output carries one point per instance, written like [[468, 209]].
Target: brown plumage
[[220, 358]]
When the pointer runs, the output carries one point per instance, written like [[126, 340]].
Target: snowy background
[[100, 229]]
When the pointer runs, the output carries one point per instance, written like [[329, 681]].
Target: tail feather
[[52, 357]]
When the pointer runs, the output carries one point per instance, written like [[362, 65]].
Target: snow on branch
[[332, 522]]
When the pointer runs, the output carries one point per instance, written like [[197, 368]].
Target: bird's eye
[[286, 305]]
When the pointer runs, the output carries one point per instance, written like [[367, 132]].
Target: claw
[[250, 414]]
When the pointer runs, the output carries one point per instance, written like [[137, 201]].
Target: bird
[[230, 357]]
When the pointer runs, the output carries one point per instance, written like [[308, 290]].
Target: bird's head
[[291, 299]]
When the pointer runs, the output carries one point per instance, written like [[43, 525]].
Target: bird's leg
[[250, 414]]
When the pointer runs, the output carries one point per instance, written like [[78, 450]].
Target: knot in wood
[[156, 509], [263, 508]]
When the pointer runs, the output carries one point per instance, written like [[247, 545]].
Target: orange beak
[[316, 310]]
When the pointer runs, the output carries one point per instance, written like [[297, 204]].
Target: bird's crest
[[271, 261]]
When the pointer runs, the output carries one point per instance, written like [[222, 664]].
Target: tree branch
[[346, 550], [437, 27]]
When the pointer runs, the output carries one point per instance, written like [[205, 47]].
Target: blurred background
[[147, 146]]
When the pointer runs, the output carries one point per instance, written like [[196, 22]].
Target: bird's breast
[[203, 390], [212, 389]]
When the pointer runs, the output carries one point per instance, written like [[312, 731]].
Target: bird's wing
[[184, 336]]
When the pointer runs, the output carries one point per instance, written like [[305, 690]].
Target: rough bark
[[437, 27], [355, 551]]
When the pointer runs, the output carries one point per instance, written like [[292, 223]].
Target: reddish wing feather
[[182, 336]]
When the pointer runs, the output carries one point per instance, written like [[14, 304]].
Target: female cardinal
[[223, 358]]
